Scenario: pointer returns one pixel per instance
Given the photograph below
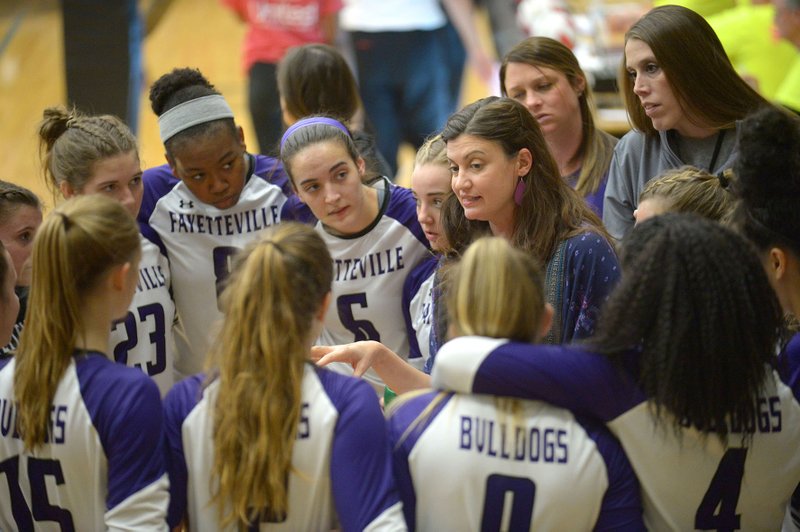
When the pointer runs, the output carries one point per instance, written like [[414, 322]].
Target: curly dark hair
[[696, 300], [179, 86], [768, 172]]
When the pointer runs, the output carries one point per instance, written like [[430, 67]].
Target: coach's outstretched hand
[[361, 356]]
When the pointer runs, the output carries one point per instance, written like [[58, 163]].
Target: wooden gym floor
[[197, 33]]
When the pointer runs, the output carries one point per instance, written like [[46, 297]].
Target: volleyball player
[[430, 185], [371, 230], [687, 189], [209, 201], [98, 155], [682, 372], [541, 467], [80, 435], [20, 217], [768, 172], [430, 182], [267, 440]]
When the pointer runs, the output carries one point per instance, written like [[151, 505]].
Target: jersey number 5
[[41, 509], [362, 329]]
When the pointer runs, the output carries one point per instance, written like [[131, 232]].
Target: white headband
[[191, 113]]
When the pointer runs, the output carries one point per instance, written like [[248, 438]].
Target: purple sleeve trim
[[361, 472], [125, 408], [411, 287], [568, 377], [403, 208], [622, 503], [401, 418], [178, 404], [158, 182], [789, 365], [271, 170]]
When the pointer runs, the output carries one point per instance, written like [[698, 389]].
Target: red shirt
[[274, 26]]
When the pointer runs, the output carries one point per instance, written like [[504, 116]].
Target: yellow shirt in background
[[747, 34], [705, 8], [789, 92]]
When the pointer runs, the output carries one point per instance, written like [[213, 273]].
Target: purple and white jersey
[[689, 480], [341, 465], [200, 241], [144, 339], [102, 467], [369, 270], [789, 366], [510, 465], [417, 307]]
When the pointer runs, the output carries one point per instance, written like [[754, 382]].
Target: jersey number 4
[[717, 511], [41, 509]]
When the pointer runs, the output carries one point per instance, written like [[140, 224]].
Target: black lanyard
[[717, 146]]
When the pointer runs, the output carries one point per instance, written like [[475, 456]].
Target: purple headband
[[310, 122]]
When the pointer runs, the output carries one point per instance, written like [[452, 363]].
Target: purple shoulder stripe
[[569, 377], [178, 404], [361, 473], [400, 419], [403, 208], [157, 182], [622, 504], [125, 407]]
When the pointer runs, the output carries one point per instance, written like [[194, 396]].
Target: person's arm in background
[[461, 14], [329, 21]]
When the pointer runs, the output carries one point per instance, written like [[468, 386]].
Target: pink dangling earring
[[519, 192]]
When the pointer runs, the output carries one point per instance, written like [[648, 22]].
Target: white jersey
[[341, 466], [102, 466], [144, 339], [417, 308], [392, 15], [688, 482], [369, 270], [200, 241], [511, 465]]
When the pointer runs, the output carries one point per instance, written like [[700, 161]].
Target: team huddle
[[597, 341]]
